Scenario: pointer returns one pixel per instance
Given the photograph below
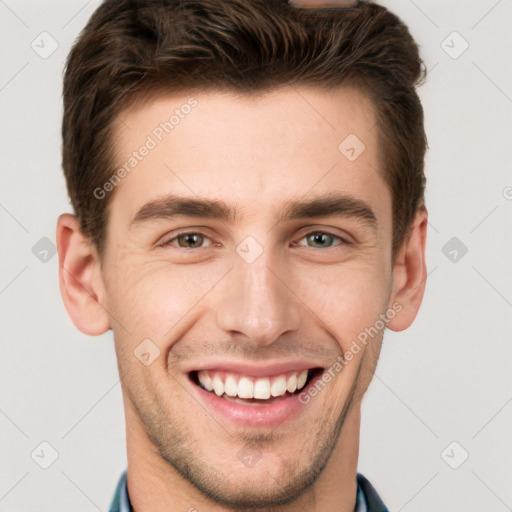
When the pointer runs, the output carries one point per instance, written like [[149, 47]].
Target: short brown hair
[[130, 49]]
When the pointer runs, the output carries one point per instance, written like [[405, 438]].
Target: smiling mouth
[[249, 390]]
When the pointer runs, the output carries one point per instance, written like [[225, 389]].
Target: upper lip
[[256, 370]]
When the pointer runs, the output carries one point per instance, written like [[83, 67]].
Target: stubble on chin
[[175, 443]]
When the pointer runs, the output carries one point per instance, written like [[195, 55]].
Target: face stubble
[[172, 440]]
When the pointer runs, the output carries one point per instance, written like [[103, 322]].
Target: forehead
[[255, 150]]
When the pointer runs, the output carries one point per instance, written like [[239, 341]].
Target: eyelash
[[342, 240]]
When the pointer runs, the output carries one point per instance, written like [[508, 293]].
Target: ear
[[410, 274], [80, 280]]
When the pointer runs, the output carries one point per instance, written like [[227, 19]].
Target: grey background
[[444, 380]]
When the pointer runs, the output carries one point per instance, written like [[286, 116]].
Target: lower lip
[[269, 415]]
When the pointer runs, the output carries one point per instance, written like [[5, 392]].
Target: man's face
[[263, 295]]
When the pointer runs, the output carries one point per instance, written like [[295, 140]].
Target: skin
[[299, 299]]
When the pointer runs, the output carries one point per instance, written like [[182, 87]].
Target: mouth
[[254, 400], [249, 390]]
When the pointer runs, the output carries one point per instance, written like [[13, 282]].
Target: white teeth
[[218, 385], [278, 387], [291, 383], [205, 380], [262, 388], [302, 379], [231, 387], [245, 388]]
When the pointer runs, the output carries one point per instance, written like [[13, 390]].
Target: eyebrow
[[172, 206]]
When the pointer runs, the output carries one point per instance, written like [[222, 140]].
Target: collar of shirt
[[367, 499]]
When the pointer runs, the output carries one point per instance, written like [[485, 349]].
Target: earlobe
[[80, 279], [409, 274]]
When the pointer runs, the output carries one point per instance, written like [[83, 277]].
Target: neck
[[154, 485]]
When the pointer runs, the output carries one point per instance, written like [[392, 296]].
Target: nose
[[257, 302]]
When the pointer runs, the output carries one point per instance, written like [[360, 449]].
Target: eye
[[186, 241], [321, 239], [194, 240]]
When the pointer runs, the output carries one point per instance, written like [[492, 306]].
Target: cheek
[[346, 299], [156, 299]]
